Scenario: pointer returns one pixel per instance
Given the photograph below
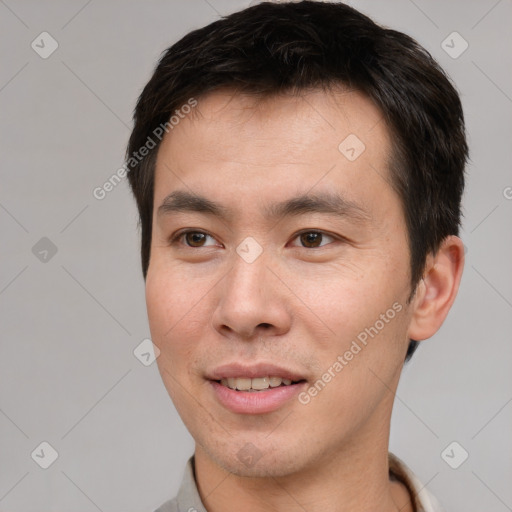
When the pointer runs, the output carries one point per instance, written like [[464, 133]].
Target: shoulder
[[168, 506], [187, 499], [424, 501]]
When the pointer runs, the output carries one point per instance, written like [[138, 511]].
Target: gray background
[[70, 323]]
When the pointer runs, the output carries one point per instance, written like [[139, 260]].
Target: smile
[[255, 384]]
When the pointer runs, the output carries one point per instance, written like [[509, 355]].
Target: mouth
[[255, 389], [256, 384]]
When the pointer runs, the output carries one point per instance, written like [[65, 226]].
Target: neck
[[354, 478]]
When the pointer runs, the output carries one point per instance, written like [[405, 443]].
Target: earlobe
[[437, 290]]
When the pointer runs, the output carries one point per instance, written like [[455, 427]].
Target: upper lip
[[252, 371]]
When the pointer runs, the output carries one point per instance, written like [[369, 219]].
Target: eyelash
[[180, 234]]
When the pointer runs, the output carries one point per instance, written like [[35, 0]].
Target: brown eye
[[192, 239], [195, 238], [313, 239]]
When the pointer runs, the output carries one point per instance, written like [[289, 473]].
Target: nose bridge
[[247, 282], [249, 296]]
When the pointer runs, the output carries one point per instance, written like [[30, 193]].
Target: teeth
[[260, 383], [243, 384], [275, 381], [256, 384]]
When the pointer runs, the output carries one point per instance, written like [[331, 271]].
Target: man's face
[[289, 295]]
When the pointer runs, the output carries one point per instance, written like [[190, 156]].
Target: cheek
[[173, 307], [364, 346], [171, 298], [347, 302]]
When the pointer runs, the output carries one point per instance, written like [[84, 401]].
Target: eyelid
[[174, 239], [321, 231], [176, 236]]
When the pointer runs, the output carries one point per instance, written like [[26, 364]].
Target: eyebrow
[[325, 202]]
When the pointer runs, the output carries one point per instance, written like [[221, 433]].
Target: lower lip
[[255, 402]]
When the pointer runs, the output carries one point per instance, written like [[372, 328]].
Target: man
[[298, 174]]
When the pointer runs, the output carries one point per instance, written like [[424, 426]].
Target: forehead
[[238, 142], [300, 119]]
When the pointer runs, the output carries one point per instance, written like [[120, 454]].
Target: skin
[[300, 304]]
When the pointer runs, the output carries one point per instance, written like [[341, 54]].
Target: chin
[[244, 458]]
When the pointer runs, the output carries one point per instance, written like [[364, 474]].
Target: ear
[[437, 289]]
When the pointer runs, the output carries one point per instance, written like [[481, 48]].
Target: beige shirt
[[188, 499]]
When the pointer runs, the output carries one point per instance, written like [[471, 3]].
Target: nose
[[251, 302]]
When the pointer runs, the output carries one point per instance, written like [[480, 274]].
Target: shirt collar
[[188, 499]]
